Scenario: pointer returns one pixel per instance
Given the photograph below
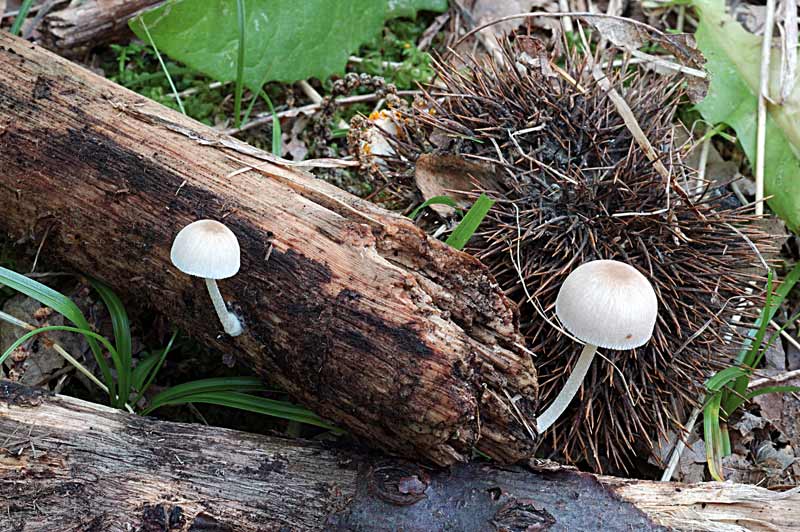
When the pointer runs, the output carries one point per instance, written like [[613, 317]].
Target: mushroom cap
[[609, 304], [207, 249]]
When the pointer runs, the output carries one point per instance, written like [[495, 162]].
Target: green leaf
[[146, 371], [772, 389], [122, 339], [143, 368], [286, 40], [435, 200], [252, 403], [223, 384], [409, 8], [469, 224], [713, 436], [733, 62], [724, 377]]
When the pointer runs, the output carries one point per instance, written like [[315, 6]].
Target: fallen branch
[[351, 309], [70, 465], [81, 25]]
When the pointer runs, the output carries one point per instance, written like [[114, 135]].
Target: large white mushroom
[[604, 303], [208, 249]]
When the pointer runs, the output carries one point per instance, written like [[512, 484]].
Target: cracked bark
[[68, 465], [358, 314]]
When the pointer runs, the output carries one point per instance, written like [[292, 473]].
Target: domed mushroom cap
[[609, 304], [206, 248]]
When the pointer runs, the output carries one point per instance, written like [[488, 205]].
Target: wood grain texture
[[81, 25], [68, 465], [356, 312]]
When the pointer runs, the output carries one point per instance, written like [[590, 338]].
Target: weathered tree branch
[[353, 310], [81, 25], [70, 465]]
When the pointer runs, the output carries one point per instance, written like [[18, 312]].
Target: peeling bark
[[357, 313], [68, 465]]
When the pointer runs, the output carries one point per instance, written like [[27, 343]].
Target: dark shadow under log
[[67, 465]]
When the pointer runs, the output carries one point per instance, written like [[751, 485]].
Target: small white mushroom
[[605, 303], [208, 249]]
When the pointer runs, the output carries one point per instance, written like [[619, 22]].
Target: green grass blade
[[435, 200], [469, 224], [64, 306], [724, 377], [122, 339], [237, 97], [713, 436], [772, 389], [87, 333], [259, 405], [22, 14], [142, 370], [163, 66], [153, 369], [221, 384]]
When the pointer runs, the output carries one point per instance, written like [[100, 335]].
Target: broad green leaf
[[469, 224], [286, 40], [409, 8], [733, 62]]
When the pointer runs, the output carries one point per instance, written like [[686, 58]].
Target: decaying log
[[66, 464], [81, 25], [352, 309]]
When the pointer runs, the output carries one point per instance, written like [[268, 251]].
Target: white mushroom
[[208, 249], [604, 303]]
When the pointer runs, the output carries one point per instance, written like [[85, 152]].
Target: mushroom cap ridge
[[609, 304], [207, 249]]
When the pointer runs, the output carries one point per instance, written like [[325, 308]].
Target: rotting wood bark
[[66, 464], [81, 25], [357, 313]]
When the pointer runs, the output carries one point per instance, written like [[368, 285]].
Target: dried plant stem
[[763, 94], [680, 445], [311, 108], [772, 380]]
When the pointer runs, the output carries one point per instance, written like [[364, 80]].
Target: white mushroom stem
[[569, 390], [229, 320]]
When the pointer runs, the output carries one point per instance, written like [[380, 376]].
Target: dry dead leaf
[[450, 175], [480, 12]]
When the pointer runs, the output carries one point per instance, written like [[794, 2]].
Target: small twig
[[789, 45], [384, 64], [39, 249], [310, 91], [763, 94], [701, 169], [777, 378], [789, 337], [266, 118], [680, 445]]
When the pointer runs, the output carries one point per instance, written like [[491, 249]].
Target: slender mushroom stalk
[[571, 387], [230, 323], [604, 303], [208, 249]]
